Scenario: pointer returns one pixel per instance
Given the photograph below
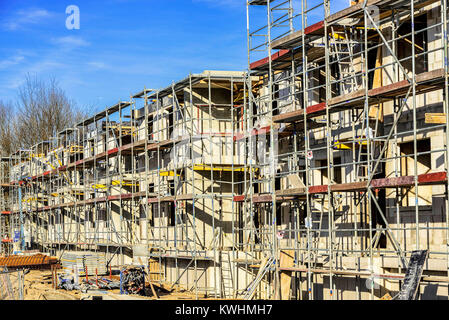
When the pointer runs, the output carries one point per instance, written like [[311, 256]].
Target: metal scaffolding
[[346, 136], [314, 175], [148, 181], [6, 222]]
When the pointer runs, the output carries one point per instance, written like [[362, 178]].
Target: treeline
[[40, 111]]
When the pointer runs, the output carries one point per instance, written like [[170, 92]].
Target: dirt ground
[[38, 286]]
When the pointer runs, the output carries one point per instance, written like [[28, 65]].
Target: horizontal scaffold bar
[[396, 182]]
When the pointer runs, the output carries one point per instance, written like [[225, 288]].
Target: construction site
[[320, 173]]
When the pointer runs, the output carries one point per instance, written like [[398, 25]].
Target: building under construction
[[318, 174]]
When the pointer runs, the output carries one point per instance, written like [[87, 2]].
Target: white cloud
[[11, 62], [71, 42], [26, 17], [37, 68], [97, 65]]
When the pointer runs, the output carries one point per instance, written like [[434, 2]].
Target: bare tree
[[7, 142], [43, 110]]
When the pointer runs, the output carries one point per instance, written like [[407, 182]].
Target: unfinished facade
[[144, 180], [352, 111], [313, 176]]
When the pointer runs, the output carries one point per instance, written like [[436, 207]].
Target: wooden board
[[259, 273], [376, 111], [292, 116], [154, 270], [265, 198], [294, 39], [291, 192], [264, 61], [287, 260], [318, 189], [353, 186], [298, 115], [433, 178]]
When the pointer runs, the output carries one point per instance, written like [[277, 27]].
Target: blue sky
[[121, 47]]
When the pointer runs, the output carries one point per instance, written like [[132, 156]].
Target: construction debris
[[133, 281], [99, 284], [68, 284]]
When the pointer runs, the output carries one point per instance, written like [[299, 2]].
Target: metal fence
[[11, 285]]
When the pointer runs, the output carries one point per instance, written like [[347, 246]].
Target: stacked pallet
[[79, 262]]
